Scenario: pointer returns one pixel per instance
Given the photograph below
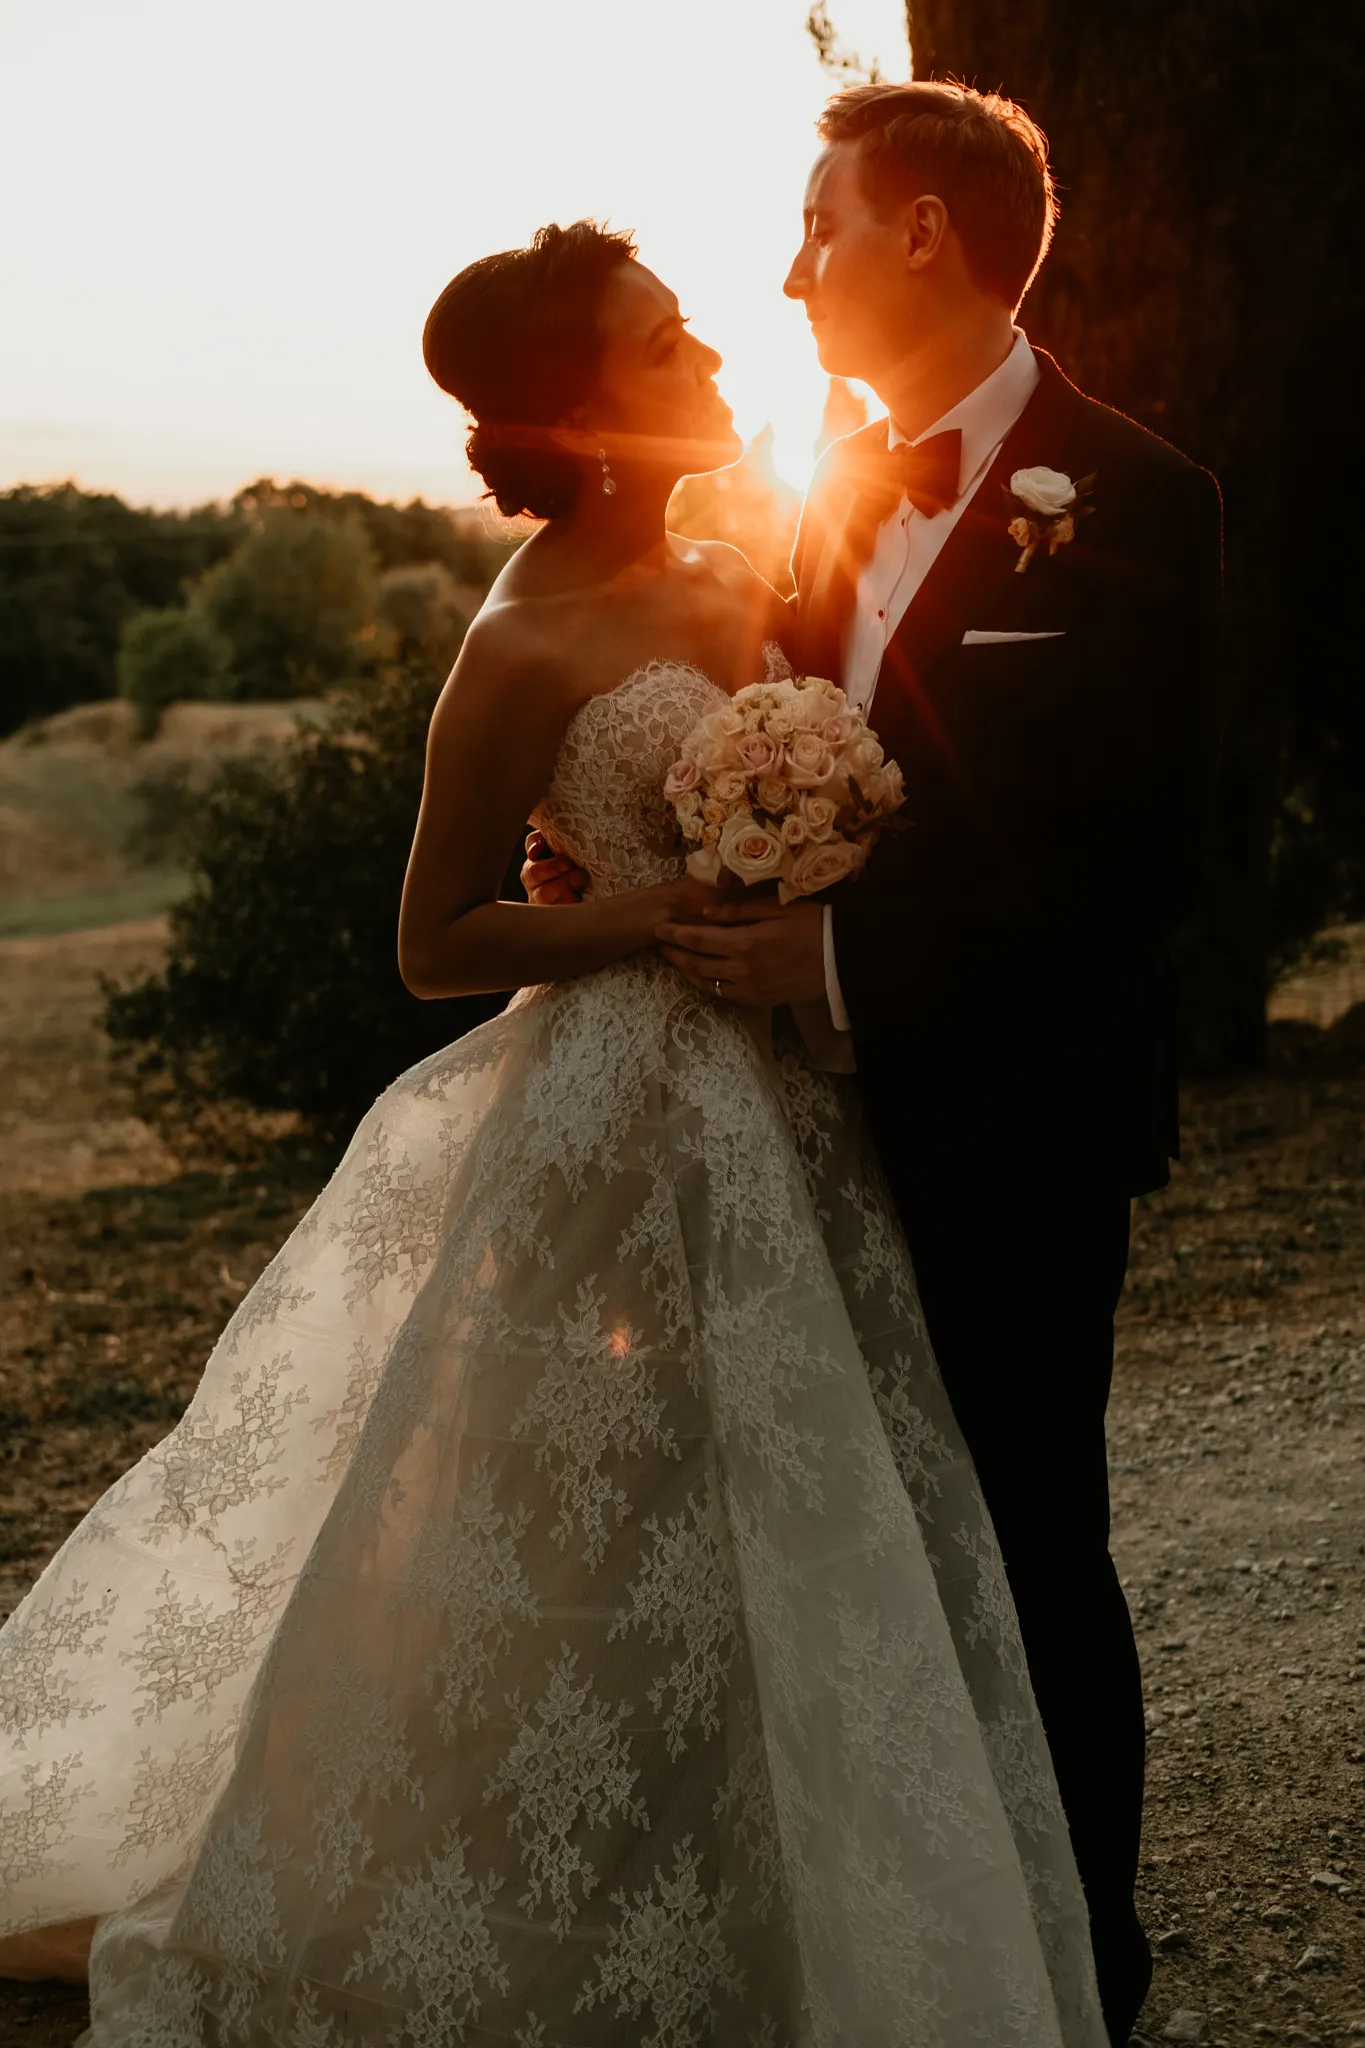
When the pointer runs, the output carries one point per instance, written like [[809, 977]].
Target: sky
[[222, 226]]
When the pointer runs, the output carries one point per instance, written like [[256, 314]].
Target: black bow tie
[[927, 472]]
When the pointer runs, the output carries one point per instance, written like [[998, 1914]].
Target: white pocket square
[[974, 639]]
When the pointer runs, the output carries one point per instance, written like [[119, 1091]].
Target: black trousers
[[1019, 1295]]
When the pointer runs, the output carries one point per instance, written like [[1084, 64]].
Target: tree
[[399, 535], [74, 566], [424, 613], [296, 604], [168, 655]]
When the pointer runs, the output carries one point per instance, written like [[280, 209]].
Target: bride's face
[[656, 402]]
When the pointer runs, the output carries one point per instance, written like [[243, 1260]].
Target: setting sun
[[226, 270]]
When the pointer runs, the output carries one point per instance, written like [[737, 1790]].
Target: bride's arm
[[491, 752]]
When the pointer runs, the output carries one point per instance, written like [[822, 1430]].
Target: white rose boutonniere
[[1046, 506]]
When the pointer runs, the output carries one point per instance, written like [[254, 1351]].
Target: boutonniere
[[1046, 507]]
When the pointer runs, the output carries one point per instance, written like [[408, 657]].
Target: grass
[[137, 896]]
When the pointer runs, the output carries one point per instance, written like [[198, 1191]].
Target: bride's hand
[[687, 900]]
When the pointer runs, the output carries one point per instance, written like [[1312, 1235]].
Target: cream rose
[[809, 709], [682, 776], [717, 752], [1046, 492], [729, 785], [692, 828], [817, 814], [704, 864], [864, 756], [771, 793], [757, 753], [713, 812], [891, 787], [688, 805], [750, 850], [794, 830], [809, 760], [820, 866]]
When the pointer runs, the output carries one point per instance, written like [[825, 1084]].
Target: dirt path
[[1237, 1430]]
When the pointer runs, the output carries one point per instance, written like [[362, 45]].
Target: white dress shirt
[[908, 544]]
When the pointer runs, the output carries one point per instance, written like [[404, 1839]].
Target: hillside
[[87, 810]]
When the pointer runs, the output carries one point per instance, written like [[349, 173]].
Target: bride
[[566, 1614]]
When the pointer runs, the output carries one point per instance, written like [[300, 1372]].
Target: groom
[[1018, 587], [1039, 665]]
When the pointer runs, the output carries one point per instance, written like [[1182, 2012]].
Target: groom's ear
[[925, 229]]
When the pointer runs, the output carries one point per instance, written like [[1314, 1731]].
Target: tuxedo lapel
[[979, 557]]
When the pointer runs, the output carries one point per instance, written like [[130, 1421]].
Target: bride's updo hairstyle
[[515, 338]]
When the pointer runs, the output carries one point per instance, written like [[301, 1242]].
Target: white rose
[[688, 805], [794, 830], [750, 850], [1045, 491], [820, 866], [704, 864], [692, 828]]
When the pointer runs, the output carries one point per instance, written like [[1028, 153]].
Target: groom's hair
[[978, 152]]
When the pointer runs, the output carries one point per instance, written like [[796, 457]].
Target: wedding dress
[[566, 1614]]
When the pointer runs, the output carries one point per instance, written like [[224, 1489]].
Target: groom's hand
[[547, 876], [760, 952]]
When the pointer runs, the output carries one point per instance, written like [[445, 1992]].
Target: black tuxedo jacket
[[1006, 955]]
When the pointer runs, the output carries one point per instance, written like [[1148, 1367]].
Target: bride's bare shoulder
[[511, 663]]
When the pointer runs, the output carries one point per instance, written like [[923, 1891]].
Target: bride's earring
[[608, 480]]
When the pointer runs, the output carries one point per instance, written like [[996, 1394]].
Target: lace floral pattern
[[565, 1615]]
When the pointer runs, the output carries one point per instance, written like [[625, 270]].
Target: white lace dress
[[565, 1615]]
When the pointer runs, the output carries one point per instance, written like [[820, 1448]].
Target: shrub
[[165, 656], [282, 986]]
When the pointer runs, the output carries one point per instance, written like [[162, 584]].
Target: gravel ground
[[1236, 1439]]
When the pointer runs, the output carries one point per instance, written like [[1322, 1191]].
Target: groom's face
[[850, 271]]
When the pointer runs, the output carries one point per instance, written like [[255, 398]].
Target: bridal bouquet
[[784, 783]]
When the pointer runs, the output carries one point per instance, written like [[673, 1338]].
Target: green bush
[[282, 987], [165, 656], [296, 604], [423, 613]]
